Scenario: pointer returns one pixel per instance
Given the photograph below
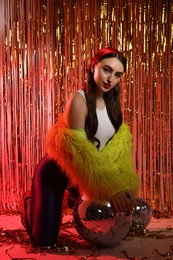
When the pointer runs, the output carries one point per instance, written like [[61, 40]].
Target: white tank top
[[105, 128]]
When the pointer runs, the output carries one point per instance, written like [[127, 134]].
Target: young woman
[[88, 153]]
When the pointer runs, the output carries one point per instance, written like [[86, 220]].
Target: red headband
[[103, 52]]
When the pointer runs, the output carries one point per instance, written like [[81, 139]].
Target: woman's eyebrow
[[117, 72], [107, 66]]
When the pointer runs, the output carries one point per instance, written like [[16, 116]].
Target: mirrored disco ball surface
[[97, 224], [141, 214]]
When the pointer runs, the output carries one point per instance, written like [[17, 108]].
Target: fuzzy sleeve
[[96, 174]]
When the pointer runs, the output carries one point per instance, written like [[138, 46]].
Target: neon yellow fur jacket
[[98, 175]]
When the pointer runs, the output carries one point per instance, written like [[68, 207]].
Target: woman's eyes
[[117, 75], [106, 70]]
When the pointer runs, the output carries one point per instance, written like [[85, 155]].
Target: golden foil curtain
[[45, 48]]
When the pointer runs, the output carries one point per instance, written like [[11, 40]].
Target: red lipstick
[[106, 85]]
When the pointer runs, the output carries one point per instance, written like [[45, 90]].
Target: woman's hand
[[123, 201]]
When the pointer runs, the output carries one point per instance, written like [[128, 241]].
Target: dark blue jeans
[[43, 211]]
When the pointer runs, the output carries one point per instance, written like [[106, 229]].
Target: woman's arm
[[76, 112], [97, 174]]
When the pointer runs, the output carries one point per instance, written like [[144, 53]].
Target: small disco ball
[[141, 215], [97, 224]]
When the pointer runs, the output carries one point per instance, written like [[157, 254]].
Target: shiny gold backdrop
[[45, 48]]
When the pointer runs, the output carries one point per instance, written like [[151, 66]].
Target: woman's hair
[[112, 97]]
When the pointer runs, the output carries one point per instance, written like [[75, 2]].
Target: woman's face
[[107, 73]]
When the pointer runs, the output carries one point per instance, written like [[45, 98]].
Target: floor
[[156, 243]]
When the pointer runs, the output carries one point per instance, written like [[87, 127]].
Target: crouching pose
[[89, 152]]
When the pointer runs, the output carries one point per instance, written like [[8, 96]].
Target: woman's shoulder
[[76, 111], [78, 98], [82, 93]]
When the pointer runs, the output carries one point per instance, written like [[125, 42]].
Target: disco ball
[[141, 214], [96, 223]]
